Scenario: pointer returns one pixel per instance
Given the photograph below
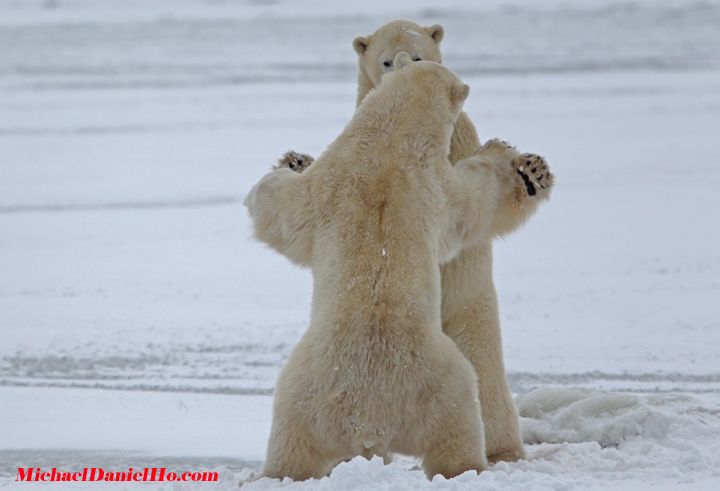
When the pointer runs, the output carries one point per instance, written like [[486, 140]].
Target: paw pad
[[535, 173]]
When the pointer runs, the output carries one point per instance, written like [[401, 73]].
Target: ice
[[141, 324]]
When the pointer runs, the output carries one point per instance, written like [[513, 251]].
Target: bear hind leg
[[454, 440], [290, 454], [457, 451]]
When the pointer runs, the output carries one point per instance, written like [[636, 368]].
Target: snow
[[579, 436], [159, 423], [141, 325]]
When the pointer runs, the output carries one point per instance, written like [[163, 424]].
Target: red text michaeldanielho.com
[[90, 474]]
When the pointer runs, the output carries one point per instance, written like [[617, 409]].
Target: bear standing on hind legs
[[469, 302], [374, 216]]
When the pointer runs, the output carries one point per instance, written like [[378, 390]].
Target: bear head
[[377, 52], [427, 81]]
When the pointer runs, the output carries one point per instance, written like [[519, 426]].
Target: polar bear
[[469, 302], [374, 217]]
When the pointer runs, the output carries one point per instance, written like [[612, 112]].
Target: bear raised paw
[[534, 171], [294, 161], [528, 173]]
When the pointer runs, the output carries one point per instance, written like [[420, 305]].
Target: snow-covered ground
[[141, 325]]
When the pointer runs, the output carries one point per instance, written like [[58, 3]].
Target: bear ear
[[402, 59], [360, 44], [459, 93], [436, 32]]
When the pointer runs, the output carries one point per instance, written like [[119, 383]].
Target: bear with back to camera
[[374, 216], [519, 181]]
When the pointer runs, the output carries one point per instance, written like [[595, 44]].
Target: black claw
[[529, 186]]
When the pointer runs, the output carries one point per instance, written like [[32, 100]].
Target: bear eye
[[387, 63], [417, 58]]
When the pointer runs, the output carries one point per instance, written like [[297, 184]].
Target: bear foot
[[535, 173], [294, 161], [506, 456]]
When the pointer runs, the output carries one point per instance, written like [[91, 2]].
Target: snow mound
[[552, 415], [623, 441]]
